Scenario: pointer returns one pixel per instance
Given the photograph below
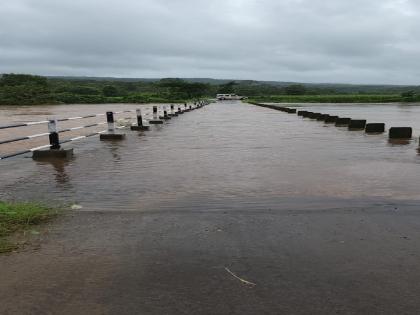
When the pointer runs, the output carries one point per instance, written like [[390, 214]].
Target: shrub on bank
[[20, 216], [341, 98]]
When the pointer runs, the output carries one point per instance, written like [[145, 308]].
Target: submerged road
[[241, 248]]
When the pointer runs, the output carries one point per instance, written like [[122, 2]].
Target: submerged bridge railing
[[160, 113], [398, 135]]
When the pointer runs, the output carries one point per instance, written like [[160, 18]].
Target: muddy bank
[[344, 260]]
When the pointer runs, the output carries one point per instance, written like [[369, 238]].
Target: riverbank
[[18, 217], [338, 98], [338, 259]]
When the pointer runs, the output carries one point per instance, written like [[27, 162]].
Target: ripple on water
[[226, 155]]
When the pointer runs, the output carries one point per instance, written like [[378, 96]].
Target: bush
[[19, 216]]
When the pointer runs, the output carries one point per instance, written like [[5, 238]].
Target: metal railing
[[53, 131]]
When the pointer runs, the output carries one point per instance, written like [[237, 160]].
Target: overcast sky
[[348, 41]]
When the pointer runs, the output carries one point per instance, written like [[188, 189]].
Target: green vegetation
[[18, 89], [16, 217], [337, 98], [21, 89]]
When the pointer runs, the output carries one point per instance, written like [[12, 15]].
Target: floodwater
[[225, 153]]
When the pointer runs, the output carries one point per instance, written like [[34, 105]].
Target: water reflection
[[228, 153], [114, 147], [398, 142], [59, 166]]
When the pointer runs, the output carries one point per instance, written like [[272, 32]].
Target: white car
[[229, 97]]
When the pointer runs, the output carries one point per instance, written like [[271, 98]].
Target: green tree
[[22, 79], [408, 94], [227, 88], [84, 90], [295, 89], [22, 89], [180, 89], [109, 90]]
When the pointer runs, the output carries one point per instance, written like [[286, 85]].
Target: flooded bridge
[[231, 209]]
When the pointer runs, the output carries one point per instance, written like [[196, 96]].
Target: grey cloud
[[352, 41]]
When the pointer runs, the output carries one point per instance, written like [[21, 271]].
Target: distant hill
[[24, 89], [338, 87]]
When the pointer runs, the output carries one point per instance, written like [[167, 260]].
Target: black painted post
[[400, 132], [342, 122], [110, 121], [54, 139], [322, 117], [140, 126], [375, 128], [357, 124], [139, 118], [55, 152], [111, 135], [155, 113], [331, 119], [314, 115]]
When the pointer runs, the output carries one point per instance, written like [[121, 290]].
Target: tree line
[[24, 89]]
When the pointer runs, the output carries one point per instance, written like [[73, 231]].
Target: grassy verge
[[339, 98], [16, 217]]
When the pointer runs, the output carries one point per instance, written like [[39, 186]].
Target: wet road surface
[[249, 211]]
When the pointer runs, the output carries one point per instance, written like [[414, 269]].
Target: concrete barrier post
[[165, 113], [322, 117], [139, 118], [155, 120], [140, 125], [55, 152], [314, 115], [155, 113], [400, 133], [173, 112], [110, 121], [53, 136], [375, 128], [111, 135], [357, 124], [342, 122], [331, 119]]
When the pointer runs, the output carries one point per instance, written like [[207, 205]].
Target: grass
[[336, 98], [16, 217]]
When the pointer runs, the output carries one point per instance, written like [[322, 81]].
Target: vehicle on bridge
[[229, 97]]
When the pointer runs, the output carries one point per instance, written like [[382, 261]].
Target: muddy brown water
[[224, 153], [173, 221]]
